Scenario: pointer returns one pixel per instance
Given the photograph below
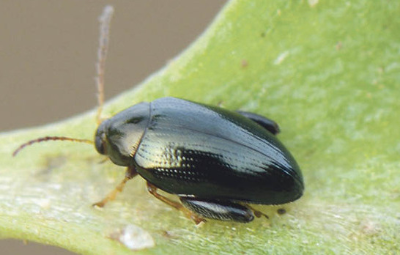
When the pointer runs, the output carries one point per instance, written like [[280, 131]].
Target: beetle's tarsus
[[100, 204], [198, 220], [189, 214]]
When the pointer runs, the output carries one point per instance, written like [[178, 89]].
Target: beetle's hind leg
[[266, 123], [220, 209], [130, 173], [153, 190]]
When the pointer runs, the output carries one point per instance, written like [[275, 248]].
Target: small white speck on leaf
[[281, 57], [43, 203], [133, 237], [312, 3]]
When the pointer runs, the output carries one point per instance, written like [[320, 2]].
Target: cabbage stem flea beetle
[[215, 160]]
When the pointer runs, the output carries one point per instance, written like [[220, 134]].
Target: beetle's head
[[120, 136]]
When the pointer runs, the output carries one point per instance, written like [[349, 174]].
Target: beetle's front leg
[[153, 190], [130, 173]]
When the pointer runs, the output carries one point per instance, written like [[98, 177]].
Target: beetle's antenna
[[49, 138], [105, 20]]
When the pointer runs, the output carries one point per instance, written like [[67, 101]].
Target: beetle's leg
[[266, 123], [153, 190], [130, 173], [111, 196], [219, 210]]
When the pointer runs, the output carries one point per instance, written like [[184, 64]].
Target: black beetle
[[216, 161]]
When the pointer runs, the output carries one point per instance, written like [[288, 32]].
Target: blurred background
[[48, 51]]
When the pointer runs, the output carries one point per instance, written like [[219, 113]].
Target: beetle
[[215, 160]]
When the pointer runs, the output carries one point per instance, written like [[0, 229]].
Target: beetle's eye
[[99, 143], [135, 120]]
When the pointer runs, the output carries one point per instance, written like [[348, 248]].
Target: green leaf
[[327, 71]]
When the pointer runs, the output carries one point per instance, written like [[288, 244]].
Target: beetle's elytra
[[215, 160]]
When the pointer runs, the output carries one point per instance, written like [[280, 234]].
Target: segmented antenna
[[49, 138], [105, 20]]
